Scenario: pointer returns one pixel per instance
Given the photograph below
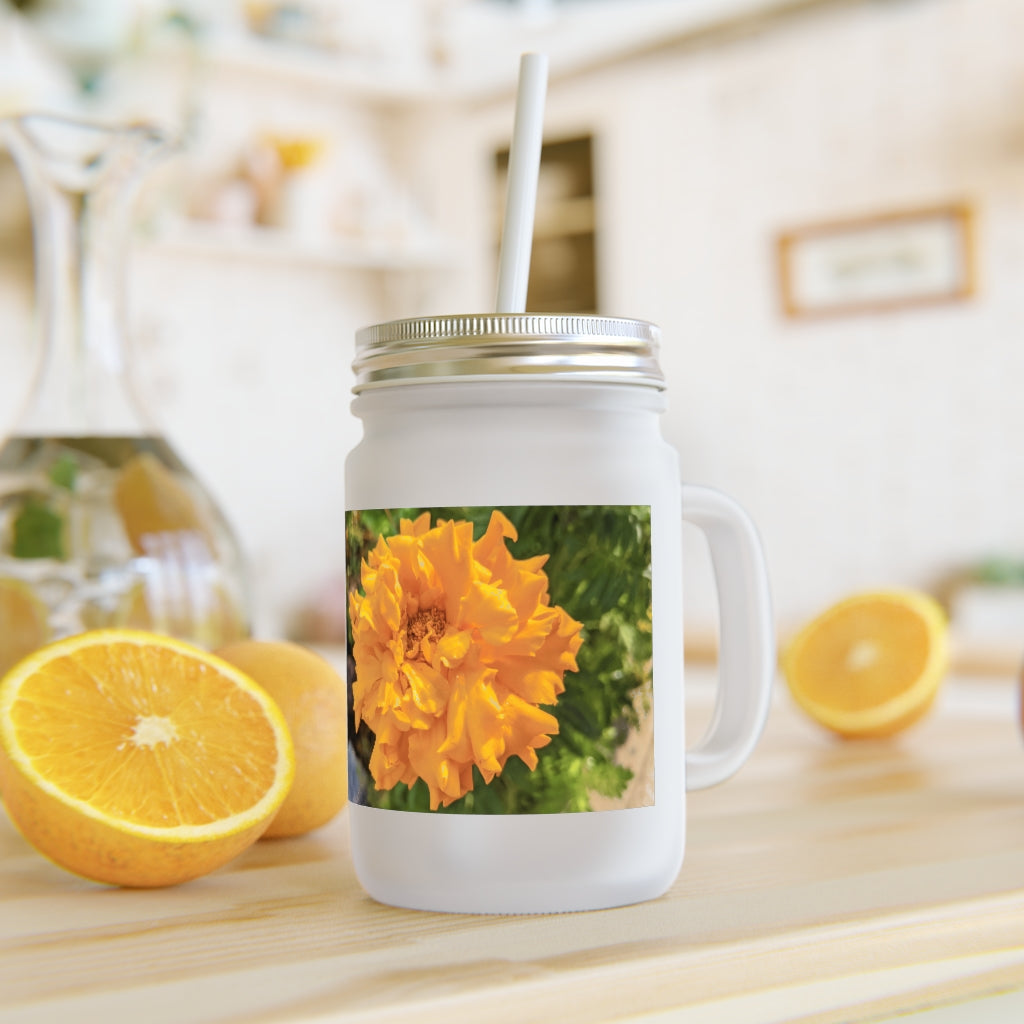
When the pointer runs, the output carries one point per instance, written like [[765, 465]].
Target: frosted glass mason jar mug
[[514, 560]]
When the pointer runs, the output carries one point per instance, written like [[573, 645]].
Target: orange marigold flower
[[456, 646]]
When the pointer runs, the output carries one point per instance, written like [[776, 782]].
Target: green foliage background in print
[[599, 572]]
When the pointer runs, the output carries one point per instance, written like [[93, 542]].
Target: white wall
[[871, 450]]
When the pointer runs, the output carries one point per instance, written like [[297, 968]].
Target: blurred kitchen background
[[821, 202]]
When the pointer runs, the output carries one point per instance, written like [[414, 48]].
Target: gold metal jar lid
[[502, 346]]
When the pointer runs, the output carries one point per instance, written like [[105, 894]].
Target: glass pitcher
[[101, 523]]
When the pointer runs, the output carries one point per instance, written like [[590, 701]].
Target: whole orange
[[312, 697]]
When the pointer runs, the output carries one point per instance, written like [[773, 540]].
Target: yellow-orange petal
[[499, 529], [532, 682], [452, 649], [529, 728], [485, 723], [456, 742], [387, 765], [448, 547], [428, 687], [442, 776], [562, 644], [415, 527], [487, 609], [528, 595], [384, 601], [533, 633], [378, 555], [417, 580]]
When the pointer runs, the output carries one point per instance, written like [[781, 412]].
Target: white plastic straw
[[521, 198]]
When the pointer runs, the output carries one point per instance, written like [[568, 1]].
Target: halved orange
[[137, 759], [871, 664]]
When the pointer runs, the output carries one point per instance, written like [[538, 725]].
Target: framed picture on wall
[[877, 263]]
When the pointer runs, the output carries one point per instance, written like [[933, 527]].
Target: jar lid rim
[[576, 346]]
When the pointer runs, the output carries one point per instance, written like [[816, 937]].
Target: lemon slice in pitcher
[[24, 622], [152, 500]]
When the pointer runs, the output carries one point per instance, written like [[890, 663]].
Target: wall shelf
[[272, 245], [306, 67]]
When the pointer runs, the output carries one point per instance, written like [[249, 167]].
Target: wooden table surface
[[828, 881]]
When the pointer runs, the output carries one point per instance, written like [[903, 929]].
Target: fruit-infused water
[[111, 532]]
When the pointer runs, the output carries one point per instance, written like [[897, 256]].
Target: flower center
[[428, 624]]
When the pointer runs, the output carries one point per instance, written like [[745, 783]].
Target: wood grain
[[828, 881]]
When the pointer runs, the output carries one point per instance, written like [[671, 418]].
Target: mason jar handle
[[746, 660]]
